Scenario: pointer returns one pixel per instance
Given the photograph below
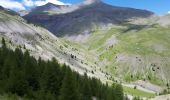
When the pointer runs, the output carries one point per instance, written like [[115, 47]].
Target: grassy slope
[[144, 52], [150, 44], [131, 42], [136, 92]]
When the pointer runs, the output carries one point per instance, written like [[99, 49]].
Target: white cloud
[[30, 3], [56, 2], [89, 1], [168, 12], [39, 3], [10, 4], [13, 4]]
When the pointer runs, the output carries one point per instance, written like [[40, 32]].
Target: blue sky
[[157, 6], [160, 7]]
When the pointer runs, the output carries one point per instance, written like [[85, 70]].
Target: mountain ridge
[[84, 18]]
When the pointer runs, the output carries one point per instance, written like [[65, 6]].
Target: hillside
[[24, 76], [114, 44], [133, 53], [129, 45], [42, 43]]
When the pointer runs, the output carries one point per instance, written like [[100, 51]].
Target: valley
[[114, 44]]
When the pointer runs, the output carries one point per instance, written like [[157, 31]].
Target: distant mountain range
[[81, 18]]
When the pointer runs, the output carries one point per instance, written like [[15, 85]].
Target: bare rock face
[[89, 14]]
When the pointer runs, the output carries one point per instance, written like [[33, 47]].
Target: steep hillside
[[86, 18], [41, 42]]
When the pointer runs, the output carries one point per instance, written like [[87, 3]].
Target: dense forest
[[27, 77]]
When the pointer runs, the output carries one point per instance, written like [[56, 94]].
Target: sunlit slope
[[133, 52]]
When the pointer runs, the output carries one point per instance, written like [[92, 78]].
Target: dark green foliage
[[118, 92], [23, 75], [3, 43], [136, 98], [69, 90]]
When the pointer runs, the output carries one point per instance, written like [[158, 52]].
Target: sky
[[160, 7]]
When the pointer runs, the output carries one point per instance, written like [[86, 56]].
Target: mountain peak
[[51, 4]]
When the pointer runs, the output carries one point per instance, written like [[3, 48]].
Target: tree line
[[36, 79]]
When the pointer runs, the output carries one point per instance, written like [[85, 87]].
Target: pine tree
[[86, 89], [118, 92], [3, 43], [110, 94], [4, 52], [51, 79], [6, 67], [69, 90], [17, 83]]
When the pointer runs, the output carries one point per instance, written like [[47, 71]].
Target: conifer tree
[[86, 89], [4, 52], [51, 79], [3, 43], [69, 90], [118, 92]]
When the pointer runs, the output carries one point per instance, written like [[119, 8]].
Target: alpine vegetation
[[24, 76]]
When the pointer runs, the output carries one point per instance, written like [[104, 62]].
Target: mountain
[[41, 43], [120, 44], [83, 20], [51, 8], [129, 44]]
